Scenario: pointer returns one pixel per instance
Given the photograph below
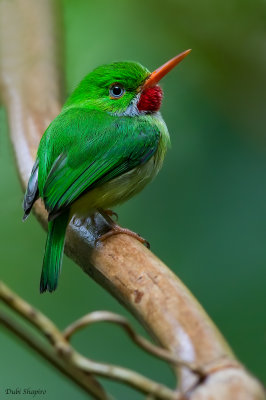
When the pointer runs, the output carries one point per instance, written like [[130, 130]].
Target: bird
[[107, 143]]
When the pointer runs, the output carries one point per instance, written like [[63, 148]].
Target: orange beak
[[160, 72]]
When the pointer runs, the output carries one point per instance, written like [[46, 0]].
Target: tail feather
[[52, 260]]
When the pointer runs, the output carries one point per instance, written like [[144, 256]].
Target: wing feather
[[108, 149]]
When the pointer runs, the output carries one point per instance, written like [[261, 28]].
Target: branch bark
[[32, 92]]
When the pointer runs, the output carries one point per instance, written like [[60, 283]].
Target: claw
[[116, 229], [111, 213]]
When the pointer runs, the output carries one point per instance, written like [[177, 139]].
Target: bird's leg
[[93, 220], [116, 229]]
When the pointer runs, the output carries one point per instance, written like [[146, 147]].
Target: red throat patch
[[150, 99]]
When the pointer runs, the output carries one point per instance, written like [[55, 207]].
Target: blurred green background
[[204, 215]]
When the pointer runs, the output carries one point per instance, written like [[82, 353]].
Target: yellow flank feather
[[119, 189]]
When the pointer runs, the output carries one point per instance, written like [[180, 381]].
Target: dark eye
[[116, 91]]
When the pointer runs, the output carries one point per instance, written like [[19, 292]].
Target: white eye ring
[[116, 91]]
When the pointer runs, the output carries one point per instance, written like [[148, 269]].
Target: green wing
[[94, 148]]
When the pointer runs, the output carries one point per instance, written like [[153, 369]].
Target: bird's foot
[[110, 213], [116, 229]]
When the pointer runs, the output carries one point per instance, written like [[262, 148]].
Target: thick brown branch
[[30, 78]]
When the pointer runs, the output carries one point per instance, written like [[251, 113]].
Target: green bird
[[107, 143]]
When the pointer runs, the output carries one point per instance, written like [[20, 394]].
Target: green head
[[122, 88], [110, 87]]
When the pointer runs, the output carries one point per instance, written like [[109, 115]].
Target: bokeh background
[[204, 215]]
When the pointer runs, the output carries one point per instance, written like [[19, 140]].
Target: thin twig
[[107, 316], [85, 381], [75, 359]]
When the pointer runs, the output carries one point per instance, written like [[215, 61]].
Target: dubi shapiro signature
[[25, 391]]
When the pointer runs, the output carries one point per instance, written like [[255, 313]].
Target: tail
[[53, 252]]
